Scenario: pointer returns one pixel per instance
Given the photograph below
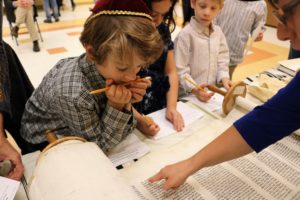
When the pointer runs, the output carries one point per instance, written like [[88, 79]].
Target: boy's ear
[[222, 6], [89, 52]]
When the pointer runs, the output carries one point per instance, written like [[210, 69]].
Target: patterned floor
[[61, 40], [263, 55]]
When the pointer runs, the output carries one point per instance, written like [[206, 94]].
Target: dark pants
[[20, 90]]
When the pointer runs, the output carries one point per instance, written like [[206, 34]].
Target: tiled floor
[[61, 40]]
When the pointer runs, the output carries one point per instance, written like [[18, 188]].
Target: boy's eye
[[143, 66]]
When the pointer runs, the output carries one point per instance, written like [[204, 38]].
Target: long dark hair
[[169, 17]]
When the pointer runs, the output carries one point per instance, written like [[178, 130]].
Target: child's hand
[[226, 83], [259, 37], [147, 126], [201, 95], [138, 89], [175, 117], [118, 95]]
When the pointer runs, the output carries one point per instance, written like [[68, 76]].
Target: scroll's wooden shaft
[[216, 90], [51, 137]]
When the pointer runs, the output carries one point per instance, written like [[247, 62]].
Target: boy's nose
[[207, 12], [129, 77]]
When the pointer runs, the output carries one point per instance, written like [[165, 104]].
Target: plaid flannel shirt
[[62, 102]]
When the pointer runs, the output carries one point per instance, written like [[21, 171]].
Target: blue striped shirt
[[237, 20]]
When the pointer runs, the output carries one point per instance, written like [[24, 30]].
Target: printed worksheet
[[188, 113]]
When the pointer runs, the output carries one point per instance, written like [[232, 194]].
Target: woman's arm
[[228, 146]]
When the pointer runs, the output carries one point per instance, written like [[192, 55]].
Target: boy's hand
[[118, 95], [226, 83], [175, 117], [146, 128], [259, 37], [138, 89], [201, 95]]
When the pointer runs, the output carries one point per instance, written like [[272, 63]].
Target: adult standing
[[54, 6], [7, 152], [258, 129]]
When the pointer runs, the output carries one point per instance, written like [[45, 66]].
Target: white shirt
[[201, 56]]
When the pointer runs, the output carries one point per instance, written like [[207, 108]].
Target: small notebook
[[290, 67]]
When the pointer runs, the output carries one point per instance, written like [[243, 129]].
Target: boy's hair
[[219, 1], [169, 17], [123, 37]]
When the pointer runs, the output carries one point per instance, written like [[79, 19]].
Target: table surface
[[167, 150]]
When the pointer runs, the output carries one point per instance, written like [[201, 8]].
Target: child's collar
[[200, 28]]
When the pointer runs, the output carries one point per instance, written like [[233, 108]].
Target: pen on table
[[107, 88], [193, 83], [249, 79]]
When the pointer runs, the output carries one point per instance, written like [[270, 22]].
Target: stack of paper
[[290, 67]]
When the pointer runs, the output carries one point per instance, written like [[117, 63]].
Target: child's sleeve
[[260, 16], [223, 59], [182, 57], [106, 129]]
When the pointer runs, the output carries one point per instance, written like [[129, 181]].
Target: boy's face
[[118, 72], [159, 10], [205, 10]]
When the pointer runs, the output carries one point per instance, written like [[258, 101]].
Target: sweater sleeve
[[275, 119]]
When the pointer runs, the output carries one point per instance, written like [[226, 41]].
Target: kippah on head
[[120, 7]]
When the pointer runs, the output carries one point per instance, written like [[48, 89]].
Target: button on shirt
[[201, 56], [62, 102]]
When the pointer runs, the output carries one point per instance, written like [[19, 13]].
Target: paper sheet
[[8, 188], [214, 104], [188, 113], [129, 149]]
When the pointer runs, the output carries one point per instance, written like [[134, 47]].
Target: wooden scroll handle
[[51, 137], [216, 90]]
